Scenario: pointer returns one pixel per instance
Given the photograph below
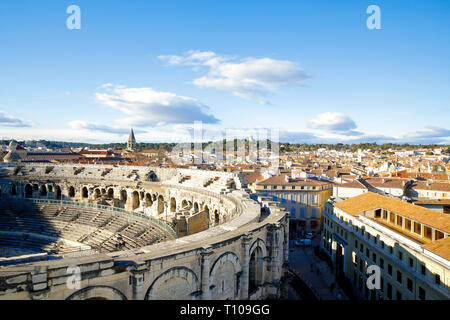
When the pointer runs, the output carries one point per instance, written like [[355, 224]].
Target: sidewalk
[[301, 258]]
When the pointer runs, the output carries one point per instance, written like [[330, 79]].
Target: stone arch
[[13, 189], [216, 217], [97, 293], [178, 283], [135, 198], [97, 193], [160, 204], [28, 191], [57, 192], [50, 188], [123, 195], [173, 204], [224, 275], [71, 192], [148, 200], [152, 176], [43, 190], [257, 264], [84, 192], [110, 193]]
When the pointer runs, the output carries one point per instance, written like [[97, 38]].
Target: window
[[390, 269], [437, 279], [399, 295], [374, 257], [399, 221], [422, 294], [361, 248], [367, 253], [400, 255], [423, 269], [409, 285], [382, 244], [407, 224], [356, 243], [417, 228], [399, 277], [389, 291], [411, 262], [381, 263]]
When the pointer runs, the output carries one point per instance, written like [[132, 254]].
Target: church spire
[[131, 143]]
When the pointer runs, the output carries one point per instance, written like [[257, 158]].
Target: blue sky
[[310, 69]]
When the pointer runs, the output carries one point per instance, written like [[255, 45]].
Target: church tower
[[131, 143]]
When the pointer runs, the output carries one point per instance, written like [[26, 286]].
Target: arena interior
[[81, 232]]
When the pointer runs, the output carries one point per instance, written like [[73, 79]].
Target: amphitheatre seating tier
[[90, 226]]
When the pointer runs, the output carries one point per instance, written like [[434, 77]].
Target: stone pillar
[[275, 256], [206, 257], [137, 282], [286, 242], [245, 266]]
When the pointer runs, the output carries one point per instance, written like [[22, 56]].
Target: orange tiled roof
[[440, 247], [369, 201]]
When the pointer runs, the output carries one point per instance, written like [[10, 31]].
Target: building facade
[[303, 199], [410, 245]]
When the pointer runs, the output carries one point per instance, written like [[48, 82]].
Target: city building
[[410, 244], [303, 198]]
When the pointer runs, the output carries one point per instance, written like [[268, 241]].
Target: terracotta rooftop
[[440, 247], [252, 177], [439, 186], [369, 201], [281, 180]]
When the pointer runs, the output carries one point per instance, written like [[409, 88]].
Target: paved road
[[301, 258]]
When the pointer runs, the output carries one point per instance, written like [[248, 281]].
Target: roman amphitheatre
[[136, 233]]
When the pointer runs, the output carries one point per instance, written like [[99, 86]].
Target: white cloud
[[98, 127], [148, 107], [334, 122], [249, 78], [431, 132], [9, 121]]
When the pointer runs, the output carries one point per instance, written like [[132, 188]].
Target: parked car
[[306, 242], [309, 235], [298, 242]]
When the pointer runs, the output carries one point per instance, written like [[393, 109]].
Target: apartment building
[[410, 244], [303, 198]]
